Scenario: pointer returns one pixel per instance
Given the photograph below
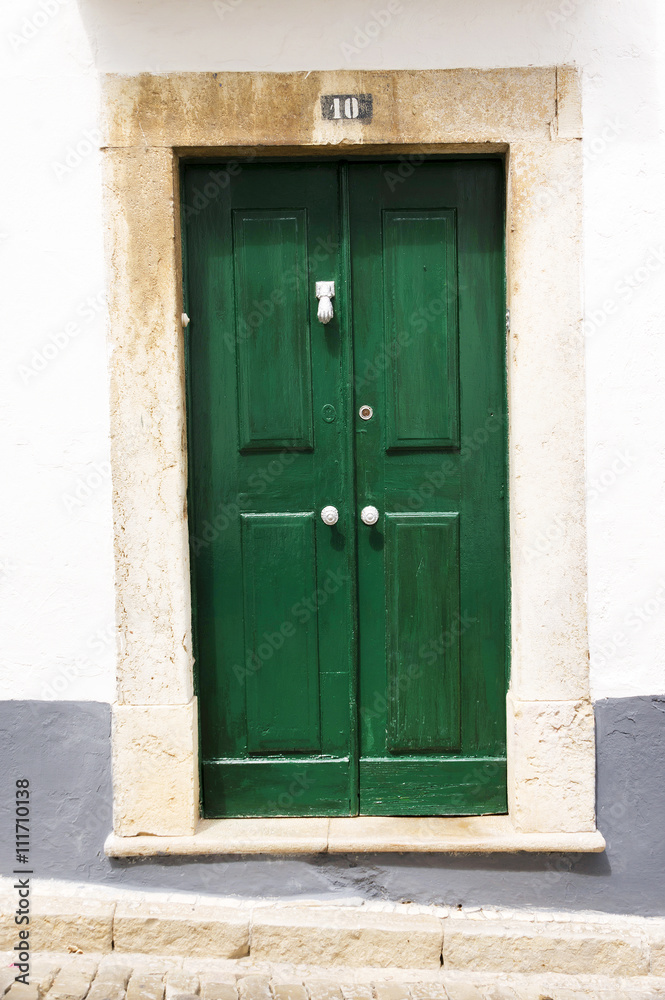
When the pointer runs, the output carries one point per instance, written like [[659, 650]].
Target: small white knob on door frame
[[330, 515], [369, 515]]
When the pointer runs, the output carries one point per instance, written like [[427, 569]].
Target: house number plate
[[346, 106]]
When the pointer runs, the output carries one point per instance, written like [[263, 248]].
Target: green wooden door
[[351, 668], [428, 309]]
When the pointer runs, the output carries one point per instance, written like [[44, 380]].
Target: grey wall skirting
[[64, 750]]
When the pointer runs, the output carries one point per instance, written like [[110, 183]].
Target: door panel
[[420, 324], [274, 368], [422, 598], [273, 585], [431, 572], [278, 565], [348, 668]]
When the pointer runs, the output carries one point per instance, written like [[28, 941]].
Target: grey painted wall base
[[64, 750]]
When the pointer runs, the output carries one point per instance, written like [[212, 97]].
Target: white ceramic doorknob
[[369, 515], [330, 515]]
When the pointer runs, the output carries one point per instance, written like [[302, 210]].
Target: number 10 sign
[[346, 106]]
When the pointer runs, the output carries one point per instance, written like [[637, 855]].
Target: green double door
[[346, 666]]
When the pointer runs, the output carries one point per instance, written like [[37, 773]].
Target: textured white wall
[[56, 596]]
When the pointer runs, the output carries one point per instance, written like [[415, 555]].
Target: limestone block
[[213, 989], [569, 102], [324, 989], [67, 925], [551, 766], [357, 991], [178, 984], [658, 956], [73, 981], [43, 971], [106, 991], [479, 946], [546, 404], [465, 991], [146, 986], [155, 769], [441, 105], [428, 991], [148, 429], [338, 937], [289, 991], [391, 991], [254, 988], [18, 991], [180, 929], [112, 972]]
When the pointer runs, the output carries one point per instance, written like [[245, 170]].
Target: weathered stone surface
[[464, 991], [113, 972], [391, 991], [551, 765], [146, 986], [351, 937], [428, 991], [21, 992], [101, 990], [178, 929], [43, 971], [487, 945], [357, 991], [179, 984], [155, 753], [73, 981], [212, 989], [324, 989], [65, 925], [289, 991], [254, 988], [657, 949], [227, 109]]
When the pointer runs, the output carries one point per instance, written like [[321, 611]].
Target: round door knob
[[369, 515], [330, 515]]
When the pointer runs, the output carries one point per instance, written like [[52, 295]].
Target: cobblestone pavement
[[120, 976]]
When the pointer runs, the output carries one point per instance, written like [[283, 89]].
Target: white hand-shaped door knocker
[[325, 291]]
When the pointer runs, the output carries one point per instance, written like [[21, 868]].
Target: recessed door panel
[[272, 329], [281, 662], [422, 641], [420, 326]]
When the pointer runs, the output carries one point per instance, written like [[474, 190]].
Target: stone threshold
[[361, 834]]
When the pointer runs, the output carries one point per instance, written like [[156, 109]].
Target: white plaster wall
[[56, 572]]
